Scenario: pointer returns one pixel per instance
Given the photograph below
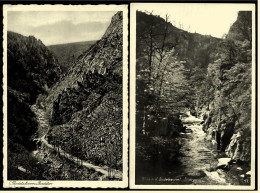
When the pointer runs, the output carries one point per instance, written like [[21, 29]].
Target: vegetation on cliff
[[230, 84], [78, 113], [85, 106]]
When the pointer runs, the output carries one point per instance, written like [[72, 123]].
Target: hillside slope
[[68, 53], [85, 106]]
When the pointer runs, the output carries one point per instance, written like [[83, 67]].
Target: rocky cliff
[[85, 106], [229, 116]]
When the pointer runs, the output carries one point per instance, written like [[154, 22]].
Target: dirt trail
[[43, 130]]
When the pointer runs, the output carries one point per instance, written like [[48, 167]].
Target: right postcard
[[193, 96]]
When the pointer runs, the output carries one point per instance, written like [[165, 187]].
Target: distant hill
[[67, 53]]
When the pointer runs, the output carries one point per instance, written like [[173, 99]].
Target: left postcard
[[65, 78]]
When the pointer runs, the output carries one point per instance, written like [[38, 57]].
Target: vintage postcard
[[192, 104], [65, 96]]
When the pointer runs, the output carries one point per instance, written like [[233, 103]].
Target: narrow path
[[43, 130]]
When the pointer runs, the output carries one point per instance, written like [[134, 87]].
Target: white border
[[133, 8], [71, 184]]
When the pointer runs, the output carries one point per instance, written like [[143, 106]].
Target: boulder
[[249, 173], [232, 149], [223, 163]]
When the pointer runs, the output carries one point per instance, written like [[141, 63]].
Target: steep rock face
[[242, 28], [85, 106], [231, 86]]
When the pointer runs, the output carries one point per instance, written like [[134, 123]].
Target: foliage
[[177, 70], [230, 76], [19, 157], [31, 65], [171, 64]]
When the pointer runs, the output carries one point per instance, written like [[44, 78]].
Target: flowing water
[[194, 165], [198, 155]]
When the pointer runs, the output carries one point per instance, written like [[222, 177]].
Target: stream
[[198, 155], [195, 164]]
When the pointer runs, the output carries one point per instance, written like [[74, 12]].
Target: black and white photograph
[[192, 96], [65, 96]]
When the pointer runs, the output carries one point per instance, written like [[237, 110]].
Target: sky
[[57, 27], [206, 19]]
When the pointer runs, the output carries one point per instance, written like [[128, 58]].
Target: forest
[[182, 76]]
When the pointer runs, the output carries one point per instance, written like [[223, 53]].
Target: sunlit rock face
[[86, 105]]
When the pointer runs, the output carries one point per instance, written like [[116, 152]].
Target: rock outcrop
[[85, 106], [230, 108]]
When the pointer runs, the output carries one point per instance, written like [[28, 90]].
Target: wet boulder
[[223, 163], [176, 121]]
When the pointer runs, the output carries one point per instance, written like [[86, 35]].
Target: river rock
[[223, 163], [249, 173], [215, 175], [21, 169], [221, 173]]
